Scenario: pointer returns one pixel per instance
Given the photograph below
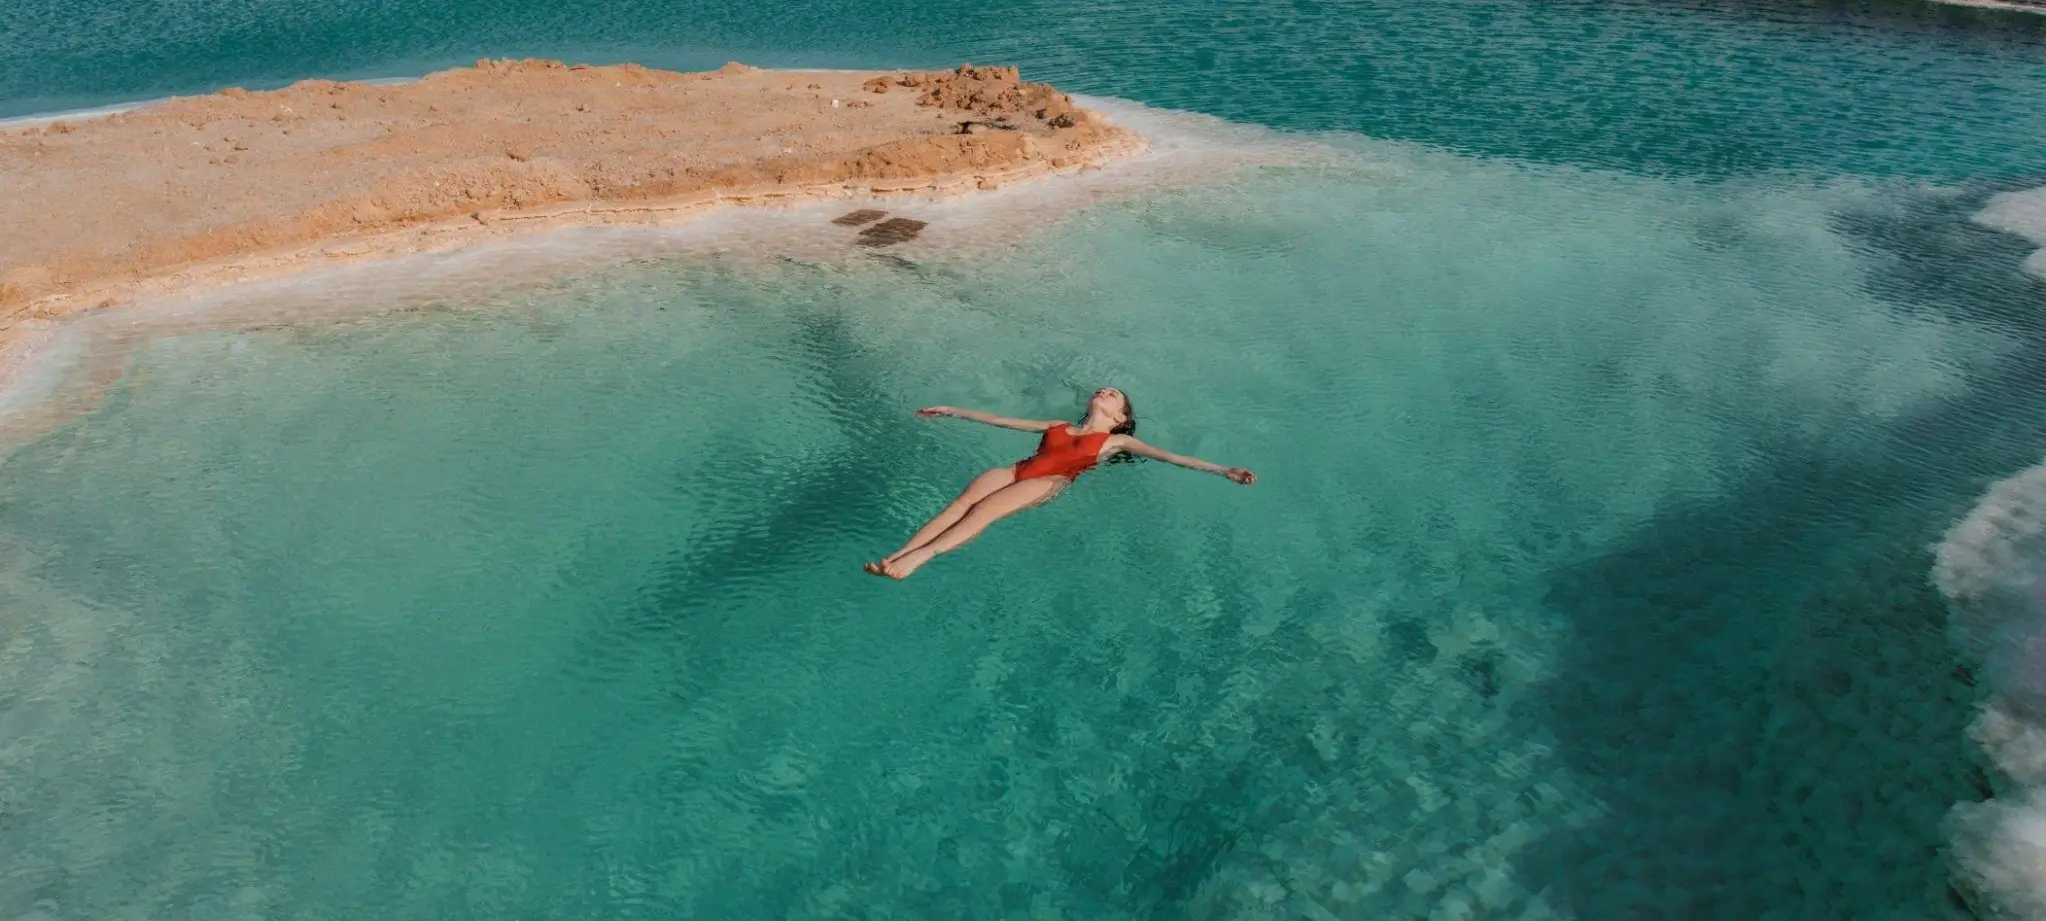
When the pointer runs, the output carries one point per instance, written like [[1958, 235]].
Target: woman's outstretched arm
[[1133, 446], [1024, 425]]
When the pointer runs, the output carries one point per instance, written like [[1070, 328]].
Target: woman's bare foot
[[906, 565], [892, 569]]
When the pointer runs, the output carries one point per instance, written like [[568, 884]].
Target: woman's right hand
[[934, 412]]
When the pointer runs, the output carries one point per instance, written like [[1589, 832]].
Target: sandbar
[[198, 191]]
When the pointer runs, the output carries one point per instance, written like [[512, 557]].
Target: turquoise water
[[1687, 86], [1589, 575]]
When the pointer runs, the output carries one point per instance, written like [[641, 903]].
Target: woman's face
[[1111, 403]]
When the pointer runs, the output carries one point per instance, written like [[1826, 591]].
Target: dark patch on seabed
[[1760, 688], [1760, 740], [1934, 257], [856, 218], [891, 231]]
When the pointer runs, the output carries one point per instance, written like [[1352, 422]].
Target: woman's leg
[[1006, 501], [981, 487]]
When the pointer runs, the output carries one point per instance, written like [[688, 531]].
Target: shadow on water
[[1767, 743], [793, 515]]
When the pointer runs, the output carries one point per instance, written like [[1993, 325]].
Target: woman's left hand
[[1240, 475]]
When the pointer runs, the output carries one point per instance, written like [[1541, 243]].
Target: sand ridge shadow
[[845, 493]]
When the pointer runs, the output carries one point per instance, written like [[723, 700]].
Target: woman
[[1066, 451]]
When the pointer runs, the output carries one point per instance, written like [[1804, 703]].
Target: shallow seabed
[[1587, 573]]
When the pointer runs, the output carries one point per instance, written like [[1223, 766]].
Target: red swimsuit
[[1062, 453]]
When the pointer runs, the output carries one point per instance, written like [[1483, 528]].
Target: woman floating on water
[[1067, 451]]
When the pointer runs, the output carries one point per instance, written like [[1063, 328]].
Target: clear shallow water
[[1586, 580], [1588, 577]]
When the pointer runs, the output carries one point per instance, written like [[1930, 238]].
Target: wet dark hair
[[1128, 425]]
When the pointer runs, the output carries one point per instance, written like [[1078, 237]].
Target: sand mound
[[188, 190]]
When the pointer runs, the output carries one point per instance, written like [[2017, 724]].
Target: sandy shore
[[200, 191]]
